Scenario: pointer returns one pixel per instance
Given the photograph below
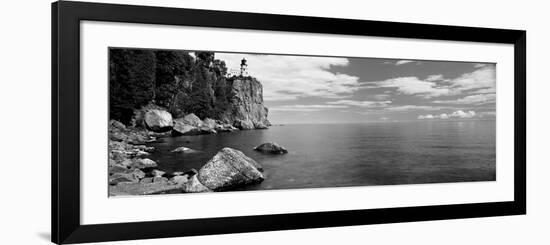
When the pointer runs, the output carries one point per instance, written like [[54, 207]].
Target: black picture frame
[[66, 17]]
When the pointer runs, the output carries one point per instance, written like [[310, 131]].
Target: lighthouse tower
[[244, 68]]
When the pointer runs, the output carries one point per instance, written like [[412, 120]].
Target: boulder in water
[[210, 123], [271, 147], [229, 169], [184, 129], [184, 149], [244, 124]]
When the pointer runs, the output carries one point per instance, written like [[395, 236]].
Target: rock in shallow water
[[271, 147], [183, 149], [229, 169], [184, 129]]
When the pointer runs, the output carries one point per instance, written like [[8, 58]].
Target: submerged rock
[[229, 169], [184, 149], [158, 120], [271, 147]]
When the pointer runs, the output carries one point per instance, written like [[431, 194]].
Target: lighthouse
[[244, 68]]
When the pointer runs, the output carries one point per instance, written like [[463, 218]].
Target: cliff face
[[245, 109]]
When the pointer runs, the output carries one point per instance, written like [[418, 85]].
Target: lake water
[[335, 155]]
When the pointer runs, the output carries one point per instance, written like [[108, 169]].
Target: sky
[[310, 89]]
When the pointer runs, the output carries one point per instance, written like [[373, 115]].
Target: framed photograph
[[174, 122]]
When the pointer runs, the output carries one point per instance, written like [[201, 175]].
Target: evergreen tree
[[132, 76]]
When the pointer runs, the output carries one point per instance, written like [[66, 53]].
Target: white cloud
[[359, 103], [292, 77], [485, 77], [482, 80], [479, 65], [384, 118], [477, 99], [456, 114], [402, 62], [414, 107], [429, 116], [305, 107], [413, 86]]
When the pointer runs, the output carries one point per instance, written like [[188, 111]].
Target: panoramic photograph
[[188, 121]]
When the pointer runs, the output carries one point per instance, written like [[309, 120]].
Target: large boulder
[[158, 120], [225, 128], [190, 119], [229, 169], [210, 123], [184, 129], [244, 124], [271, 147]]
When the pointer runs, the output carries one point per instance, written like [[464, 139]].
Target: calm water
[[332, 155]]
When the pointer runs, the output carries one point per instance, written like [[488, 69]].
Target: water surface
[[336, 155]]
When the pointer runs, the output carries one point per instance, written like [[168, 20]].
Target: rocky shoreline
[[131, 172]]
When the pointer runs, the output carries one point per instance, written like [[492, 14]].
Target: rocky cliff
[[245, 108], [182, 84]]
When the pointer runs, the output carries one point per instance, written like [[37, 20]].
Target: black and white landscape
[[189, 121]]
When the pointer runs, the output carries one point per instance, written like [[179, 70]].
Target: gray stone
[[158, 120], [184, 149], [184, 129], [209, 122], [143, 163], [193, 185], [157, 173], [160, 179], [180, 179], [190, 119], [271, 147], [229, 169], [244, 125]]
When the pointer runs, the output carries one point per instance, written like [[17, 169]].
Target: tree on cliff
[[172, 67], [131, 85]]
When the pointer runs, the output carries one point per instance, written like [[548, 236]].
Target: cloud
[[293, 77], [477, 99], [362, 104], [479, 65], [482, 80], [305, 107], [413, 86], [414, 107], [432, 78], [485, 77], [402, 62], [384, 118], [460, 114]]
